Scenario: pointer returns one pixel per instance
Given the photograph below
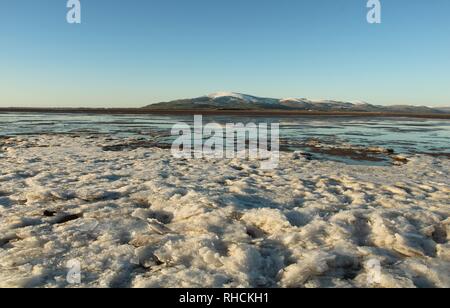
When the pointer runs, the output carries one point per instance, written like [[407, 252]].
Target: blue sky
[[135, 52]]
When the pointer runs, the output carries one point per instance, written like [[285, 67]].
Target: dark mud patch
[[444, 155], [316, 149], [255, 232], [48, 213], [299, 155], [8, 239], [162, 216], [353, 152], [440, 235], [67, 217], [130, 146]]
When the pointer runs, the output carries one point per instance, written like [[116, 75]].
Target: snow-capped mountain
[[238, 101]]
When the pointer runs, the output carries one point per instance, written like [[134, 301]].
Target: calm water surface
[[401, 134]]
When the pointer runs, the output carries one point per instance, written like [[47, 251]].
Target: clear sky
[[135, 52]]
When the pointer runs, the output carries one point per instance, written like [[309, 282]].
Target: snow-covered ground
[[243, 97], [142, 218]]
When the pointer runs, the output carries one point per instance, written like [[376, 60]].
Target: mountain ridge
[[239, 101]]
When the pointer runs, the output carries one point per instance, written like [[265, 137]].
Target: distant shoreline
[[258, 113]]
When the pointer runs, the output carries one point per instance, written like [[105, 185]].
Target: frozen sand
[[144, 219]]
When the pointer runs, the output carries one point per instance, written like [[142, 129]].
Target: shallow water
[[400, 134]]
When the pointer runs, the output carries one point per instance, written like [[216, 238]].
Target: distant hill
[[444, 109], [237, 101]]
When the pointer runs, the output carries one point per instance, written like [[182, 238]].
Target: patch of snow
[[243, 97], [295, 100]]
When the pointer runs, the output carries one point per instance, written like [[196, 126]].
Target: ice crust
[[142, 218]]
